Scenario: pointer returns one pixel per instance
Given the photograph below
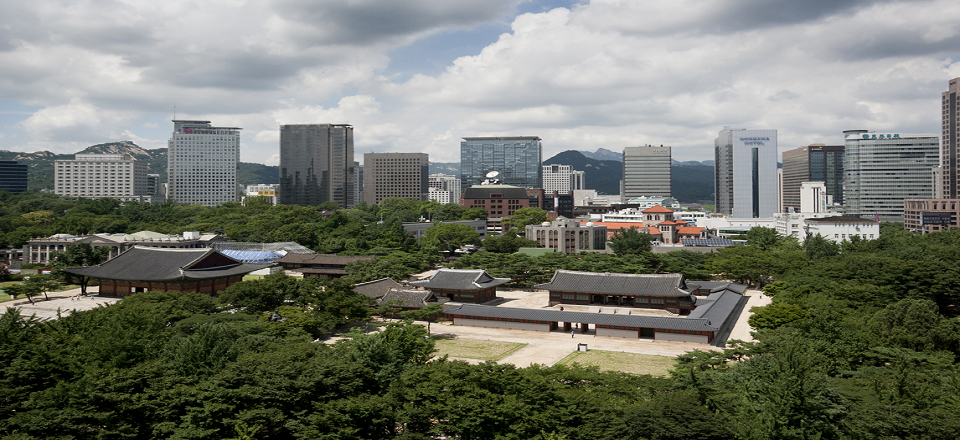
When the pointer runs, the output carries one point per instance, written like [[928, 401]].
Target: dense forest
[[861, 342]]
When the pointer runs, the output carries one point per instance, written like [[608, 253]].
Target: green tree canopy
[[630, 241], [78, 255]]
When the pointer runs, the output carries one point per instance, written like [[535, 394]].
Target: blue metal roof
[[252, 256]]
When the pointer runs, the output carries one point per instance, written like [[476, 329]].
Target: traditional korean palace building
[[655, 291], [318, 265], [463, 285], [709, 323], [145, 268]]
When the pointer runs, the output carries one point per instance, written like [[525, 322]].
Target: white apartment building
[[271, 190], [746, 173], [563, 179], [444, 188], [202, 163], [118, 176]]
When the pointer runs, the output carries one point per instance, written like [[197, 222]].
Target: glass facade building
[[813, 163], [646, 172], [316, 165], [13, 176], [746, 172], [517, 159], [202, 162], [883, 169]]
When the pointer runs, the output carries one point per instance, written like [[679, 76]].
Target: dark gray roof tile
[[460, 279], [662, 285]]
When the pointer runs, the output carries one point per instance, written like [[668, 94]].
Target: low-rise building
[[931, 215], [568, 235], [419, 229], [146, 268], [840, 228], [657, 291], [463, 285], [39, 250], [319, 265]]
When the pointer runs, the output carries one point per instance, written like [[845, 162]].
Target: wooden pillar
[[584, 327], [567, 326]]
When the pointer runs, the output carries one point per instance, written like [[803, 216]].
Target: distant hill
[[691, 183], [40, 164], [707, 163], [601, 175], [452, 168], [603, 154]]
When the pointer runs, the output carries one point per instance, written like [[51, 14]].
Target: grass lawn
[[477, 348], [4, 297], [633, 363], [252, 277]]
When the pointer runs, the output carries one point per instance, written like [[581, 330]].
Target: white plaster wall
[[680, 337], [502, 324], [618, 333]]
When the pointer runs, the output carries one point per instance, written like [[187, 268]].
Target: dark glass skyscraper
[[517, 159], [316, 165], [813, 163], [13, 176]]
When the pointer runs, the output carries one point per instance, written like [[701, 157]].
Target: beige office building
[[646, 172], [94, 176], [403, 175]]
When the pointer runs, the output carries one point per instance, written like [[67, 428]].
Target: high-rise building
[[316, 165], [13, 176], [94, 176], [883, 169], [516, 159], [950, 153], [562, 178], [402, 175], [202, 163], [746, 172], [444, 188], [813, 163], [646, 172]]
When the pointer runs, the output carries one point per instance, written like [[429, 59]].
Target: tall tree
[[78, 255], [763, 238], [631, 241], [523, 217]]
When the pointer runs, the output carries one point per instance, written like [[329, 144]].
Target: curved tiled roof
[[460, 279], [655, 209], [147, 263], [377, 288], [665, 285]]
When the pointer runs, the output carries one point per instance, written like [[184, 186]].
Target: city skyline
[[418, 77]]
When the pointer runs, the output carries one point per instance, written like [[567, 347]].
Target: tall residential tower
[[746, 172], [316, 165], [202, 163]]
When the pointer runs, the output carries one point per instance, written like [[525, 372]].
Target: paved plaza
[[547, 348], [65, 302]]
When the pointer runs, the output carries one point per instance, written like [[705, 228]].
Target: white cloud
[[600, 74]]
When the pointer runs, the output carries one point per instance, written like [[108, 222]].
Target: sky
[[418, 75]]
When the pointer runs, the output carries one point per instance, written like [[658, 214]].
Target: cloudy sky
[[417, 75]]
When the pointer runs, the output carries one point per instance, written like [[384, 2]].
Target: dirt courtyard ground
[[547, 348], [66, 302]]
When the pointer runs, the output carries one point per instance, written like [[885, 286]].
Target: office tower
[[117, 176], [402, 175], [646, 172], [883, 169], [202, 163], [13, 176], [950, 152], [813, 163], [316, 165], [562, 178], [516, 159], [746, 172], [444, 188]]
